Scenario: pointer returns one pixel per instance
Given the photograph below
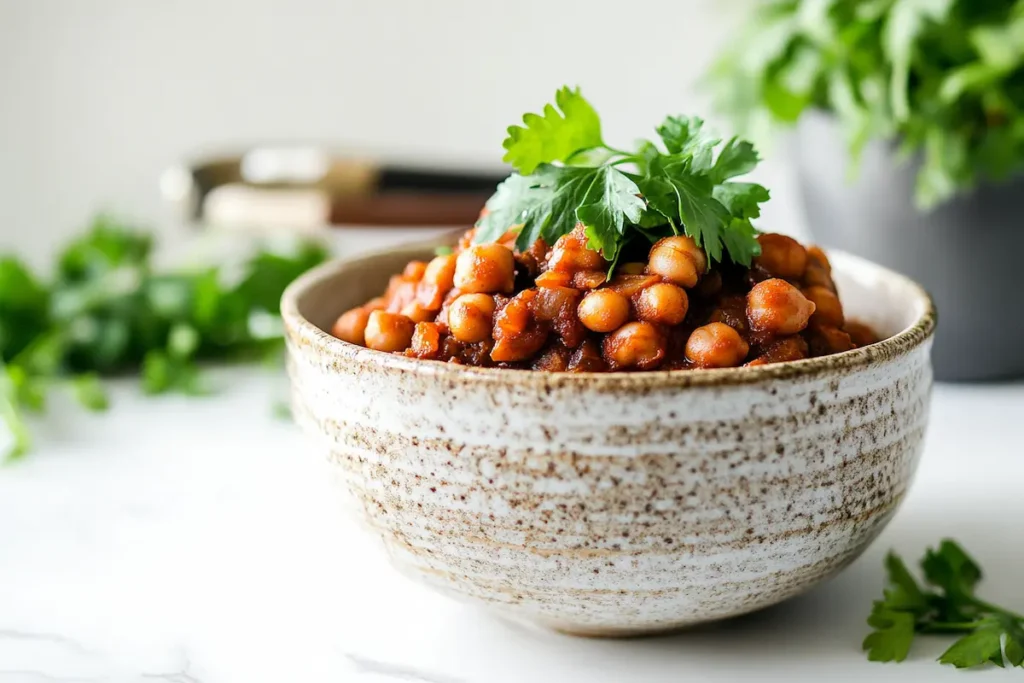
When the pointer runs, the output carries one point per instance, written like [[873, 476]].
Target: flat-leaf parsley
[[566, 175]]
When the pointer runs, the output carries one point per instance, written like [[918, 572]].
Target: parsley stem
[[988, 607], [619, 151], [950, 626]]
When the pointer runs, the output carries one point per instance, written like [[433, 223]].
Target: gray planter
[[969, 252]]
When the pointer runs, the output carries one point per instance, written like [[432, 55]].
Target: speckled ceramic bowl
[[618, 504]]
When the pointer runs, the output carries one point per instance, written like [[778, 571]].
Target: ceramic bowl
[[617, 504]]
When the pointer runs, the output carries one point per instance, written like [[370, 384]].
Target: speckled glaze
[[618, 504]]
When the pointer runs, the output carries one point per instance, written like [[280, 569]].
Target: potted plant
[[909, 147]]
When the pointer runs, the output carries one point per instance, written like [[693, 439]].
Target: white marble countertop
[[199, 540], [188, 540]]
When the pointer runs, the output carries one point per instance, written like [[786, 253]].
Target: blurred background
[[98, 98]]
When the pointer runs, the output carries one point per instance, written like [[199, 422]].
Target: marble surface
[[189, 540]]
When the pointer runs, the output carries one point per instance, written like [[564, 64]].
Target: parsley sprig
[[567, 174], [946, 605], [107, 310]]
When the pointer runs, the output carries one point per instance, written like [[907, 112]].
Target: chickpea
[[485, 268], [781, 256], [827, 308], [716, 345], [824, 340], [438, 280], [817, 256], [388, 331], [777, 307], [470, 317], [417, 312], [414, 270], [603, 310], [662, 303], [677, 259], [351, 326], [378, 303], [860, 334], [571, 254], [635, 345], [441, 272], [782, 350]]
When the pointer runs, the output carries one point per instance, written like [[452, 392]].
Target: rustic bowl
[[618, 504]]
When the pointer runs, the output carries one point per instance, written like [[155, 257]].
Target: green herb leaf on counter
[[567, 175], [107, 311], [948, 605]]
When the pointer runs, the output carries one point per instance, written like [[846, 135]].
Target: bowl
[[617, 504]]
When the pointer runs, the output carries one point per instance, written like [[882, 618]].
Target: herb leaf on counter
[[107, 311], [567, 175], [946, 605]]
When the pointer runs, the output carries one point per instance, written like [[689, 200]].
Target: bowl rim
[[301, 332]]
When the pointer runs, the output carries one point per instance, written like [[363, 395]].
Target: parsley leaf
[[683, 189], [544, 204], [611, 202], [908, 609], [553, 135], [983, 645], [891, 639], [107, 311]]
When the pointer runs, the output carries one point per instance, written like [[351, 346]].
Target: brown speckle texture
[[618, 504]]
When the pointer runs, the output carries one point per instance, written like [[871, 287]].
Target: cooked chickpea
[[377, 303], [827, 308], [485, 268], [861, 334], [388, 331], [716, 345], [817, 256], [662, 303], [416, 312], [470, 317], [351, 326], [571, 254], [777, 307], [603, 310], [414, 270], [677, 259], [441, 271], [635, 345], [781, 256]]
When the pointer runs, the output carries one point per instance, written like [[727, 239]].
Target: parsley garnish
[[566, 174], [107, 310], [947, 605]]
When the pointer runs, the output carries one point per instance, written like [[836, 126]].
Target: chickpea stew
[[592, 258], [554, 308]]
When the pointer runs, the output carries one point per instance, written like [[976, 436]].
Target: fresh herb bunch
[[566, 174], [947, 606], [107, 311], [944, 78]]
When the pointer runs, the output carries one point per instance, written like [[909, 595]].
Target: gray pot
[[968, 252]]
